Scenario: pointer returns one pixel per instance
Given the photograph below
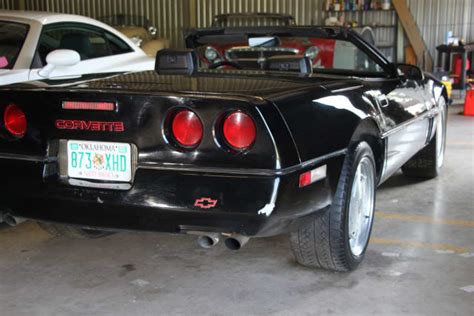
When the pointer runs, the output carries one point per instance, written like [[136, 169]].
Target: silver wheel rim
[[361, 207], [440, 135]]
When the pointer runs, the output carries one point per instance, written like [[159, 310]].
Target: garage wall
[[8, 4], [304, 11], [436, 17], [172, 17]]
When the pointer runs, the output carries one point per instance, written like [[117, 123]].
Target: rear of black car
[[172, 162]]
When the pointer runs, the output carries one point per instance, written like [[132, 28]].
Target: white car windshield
[[12, 37]]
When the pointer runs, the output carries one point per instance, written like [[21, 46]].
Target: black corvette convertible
[[256, 147]]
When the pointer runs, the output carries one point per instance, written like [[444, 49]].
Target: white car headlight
[[311, 52], [211, 54]]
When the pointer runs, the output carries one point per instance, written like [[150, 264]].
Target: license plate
[[99, 161]]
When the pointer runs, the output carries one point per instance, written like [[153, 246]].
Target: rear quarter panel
[[322, 120]]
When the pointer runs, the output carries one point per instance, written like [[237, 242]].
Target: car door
[[100, 50], [402, 102], [404, 113]]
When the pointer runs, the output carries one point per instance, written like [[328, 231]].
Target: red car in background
[[247, 52]]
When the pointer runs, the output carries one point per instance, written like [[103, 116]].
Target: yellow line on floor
[[424, 219], [418, 244]]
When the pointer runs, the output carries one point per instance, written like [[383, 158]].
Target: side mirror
[[59, 58], [406, 71]]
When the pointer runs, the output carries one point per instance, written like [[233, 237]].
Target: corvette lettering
[[96, 126]]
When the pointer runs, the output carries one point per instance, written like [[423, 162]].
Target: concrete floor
[[420, 261]]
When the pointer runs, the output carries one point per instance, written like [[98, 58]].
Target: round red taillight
[[187, 128], [239, 130], [14, 120]]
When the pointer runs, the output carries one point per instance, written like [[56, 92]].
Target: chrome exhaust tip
[[236, 242], [11, 220], [208, 241]]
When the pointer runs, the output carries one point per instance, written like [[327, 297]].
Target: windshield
[[12, 37], [325, 55]]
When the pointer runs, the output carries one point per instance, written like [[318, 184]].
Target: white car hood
[[123, 63], [8, 76]]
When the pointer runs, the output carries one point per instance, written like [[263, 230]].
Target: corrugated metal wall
[[434, 17], [8, 4], [304, 11]]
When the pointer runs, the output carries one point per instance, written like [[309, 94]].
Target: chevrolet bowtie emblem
[[205, 203]]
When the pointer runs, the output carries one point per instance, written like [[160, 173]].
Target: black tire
[[324, 241], [72, 231], [428, 162]]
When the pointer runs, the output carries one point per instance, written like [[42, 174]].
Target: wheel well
[[369, 132]]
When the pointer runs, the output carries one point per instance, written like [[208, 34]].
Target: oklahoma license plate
[[99, 161]]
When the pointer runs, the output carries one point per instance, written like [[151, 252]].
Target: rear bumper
[[165, 200]]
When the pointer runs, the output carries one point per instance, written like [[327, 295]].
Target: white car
[[40, 45]]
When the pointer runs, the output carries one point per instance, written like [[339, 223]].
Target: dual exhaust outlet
[[232, 242], [11, 220]]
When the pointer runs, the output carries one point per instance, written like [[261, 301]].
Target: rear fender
[[369, 131], [324, 122]]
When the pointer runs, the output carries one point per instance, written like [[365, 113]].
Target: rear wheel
[[72, 231], [337, 239], [428, 162]]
